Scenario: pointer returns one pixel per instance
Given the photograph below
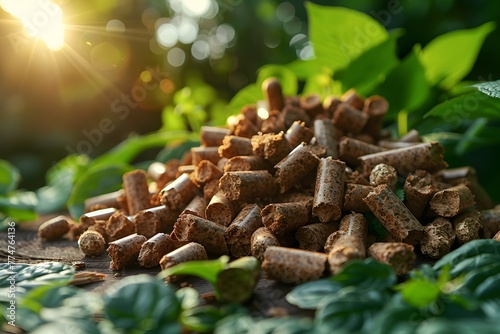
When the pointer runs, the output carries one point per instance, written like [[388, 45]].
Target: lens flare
[[42, 20]]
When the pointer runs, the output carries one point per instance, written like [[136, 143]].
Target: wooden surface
[[268, 295]]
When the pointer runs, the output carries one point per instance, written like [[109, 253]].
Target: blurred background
[[124, 62]]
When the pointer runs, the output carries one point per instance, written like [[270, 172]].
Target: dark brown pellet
[[135, 187], [313, 237], [205, 172], [452, 201], [239, 234], [179, 193], [54, 228], [273, 93], [209, 234], [418, 192], [467, 226], [124, 252], [349, 119], [246, 163], [261, 239], [154, 249], [235, 146], [221, 210], [326, 136], [196, 207], [272, 147], [245, 186], [490, 219], [353, 198], [312, 105], [438, 238], [375, 107], [329, 190], [119, 226], [205, 153], [351, 149], [212, 136], [298, 133], [283, 218]]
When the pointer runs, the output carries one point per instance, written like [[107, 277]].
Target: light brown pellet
[[246, 186], [438, 238], [261, 239], [400, 256], [196, 207], [384, 174], [353, 198], [155, 220], [235, 146], [272, 147], [124, 252], [313, 237], [210, 189], [349, 119], [209, 234], [355, 224], [179, 193], [246, 163], [189, 252], [54, 228], [91, 243], [212, 136], [184, 169], [329, 190], [221, 210], [345, 249], [243, 127], [497, 236], [332, 239], [427, 156], [205, 172], [239, 234], [467, 226], [273, 93], [490, 219], [154, 249], [135, 187], [109, 200], [119, 226], [283, 218], [205, 153], [293, 265], [326, 136], [418, 192], [298, 133], [300, 162], [394, 215], [351, 149], [452, 201]]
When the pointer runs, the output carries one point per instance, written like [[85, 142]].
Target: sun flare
[[42, 20]]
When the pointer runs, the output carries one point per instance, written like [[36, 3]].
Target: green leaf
[[68, 326], [176, 151], [188, 297], [449, 58], [289, 325], [396, 317], [97, 180], [370, 68], [340, 35], [476, 277], [235, 324], [375, 227], [248, 95], [172, 120], [27, 276], [19, 206], [468, 250], [236, 282], [488, 289], [350, 309], [467, 106], [303, 68], [405, 87], [309, 295], [322, 83], [419, 292], [141, 303], [201, 319], [490, 88], [9, 177], [366, 274], [458, 326], [206, 269], [473, 263], [286, 77]]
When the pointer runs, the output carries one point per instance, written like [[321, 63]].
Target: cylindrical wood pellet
[[135, 187], [326, 136], [330, 104], [394, 215], [273, 93], [349, 119], [261, 239], [351, 149], [196, 207], [467, 226], [189, 252], [313, 237], [210, 189], [332, 239], [311, 103], [427, 156], [375, 107], [418, 192], [185, 169], [329, 190], [221, 210], [438, 238], [353, 198], [243, 127], [295, 166], [92, 243], [452, 201], [54, 228], [384, 174], [119, 226], [239, 234], [154, 249], [400, 256], [412, 136], [246, 163], [205, 172], [497, 236], [212, 136], [205, 153], [124, 251], [490, 219], [272, 147], [292, 114], [209, 234], [283, 218], [355, 224], [245, 186], [352, 98], [250, 112], [345, 249], [109, 200], [235, 146], [298, 133], [293, 265], [179, 193]]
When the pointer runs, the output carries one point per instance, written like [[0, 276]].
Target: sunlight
[[42, 20]]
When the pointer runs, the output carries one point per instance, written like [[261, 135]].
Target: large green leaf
[[369, 69], [340, 35], [287, 78], [467, 106], [366, 274], [19, 206], [9, 177], [206, 269], [490, 88], [310, 294], [97, 180], [468, 250], [449, 58], [172, 120], [303, 68], [405, 87]]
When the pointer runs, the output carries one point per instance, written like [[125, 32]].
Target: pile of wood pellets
[[290, 181]]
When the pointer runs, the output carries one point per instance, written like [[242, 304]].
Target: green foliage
[[490, 88], [309, 295], [9, 177], [366, 274], [287, 78], [471, 249]]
